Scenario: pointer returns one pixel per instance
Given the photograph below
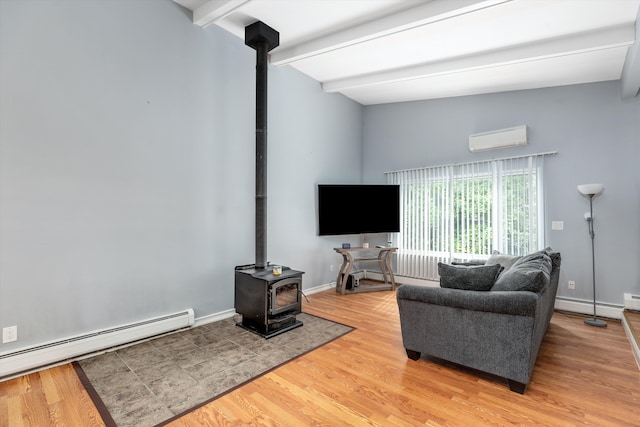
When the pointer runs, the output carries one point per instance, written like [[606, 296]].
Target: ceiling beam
[[570, 45], [213, 10], [427, 13], [630, 78], [631, 73]]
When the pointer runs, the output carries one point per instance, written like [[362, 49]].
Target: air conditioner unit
[[502, 138]]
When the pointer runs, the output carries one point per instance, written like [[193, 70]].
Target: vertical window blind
[[466, 211]]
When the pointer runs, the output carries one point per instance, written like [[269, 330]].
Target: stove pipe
[[262, 38]]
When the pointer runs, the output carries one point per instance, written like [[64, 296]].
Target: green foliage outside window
[[462, 219]]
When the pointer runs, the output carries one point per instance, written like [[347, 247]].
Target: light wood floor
[[583, 376]]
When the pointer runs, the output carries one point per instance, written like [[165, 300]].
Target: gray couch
[[484, 317]]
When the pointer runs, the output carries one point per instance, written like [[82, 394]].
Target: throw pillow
[[504, 260], [479, 278], [530, 273]]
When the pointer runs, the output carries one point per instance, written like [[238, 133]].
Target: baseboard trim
[[633, 339], [403, 280], [610, 311], [210, 318], [320, 288]]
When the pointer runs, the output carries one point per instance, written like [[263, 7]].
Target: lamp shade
[[591, 189]]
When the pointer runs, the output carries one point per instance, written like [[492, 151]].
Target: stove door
[[285, 296]]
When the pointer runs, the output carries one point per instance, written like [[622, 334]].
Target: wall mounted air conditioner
[[502, 138]]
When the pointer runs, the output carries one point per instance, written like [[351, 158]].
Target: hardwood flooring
[[633, 319], [583, 376], [53, 397]]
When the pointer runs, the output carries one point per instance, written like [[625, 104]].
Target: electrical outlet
[[331, 267], [9, 334], [572, 284]]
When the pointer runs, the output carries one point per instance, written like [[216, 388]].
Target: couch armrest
[[518, 303]]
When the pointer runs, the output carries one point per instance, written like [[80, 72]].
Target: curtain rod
[[547, 153]]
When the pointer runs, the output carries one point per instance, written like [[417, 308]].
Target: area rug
[[150, 383]]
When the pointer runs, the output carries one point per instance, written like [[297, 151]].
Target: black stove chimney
[[262, 38]]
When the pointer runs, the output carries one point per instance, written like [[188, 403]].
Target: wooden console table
[[353, 255]]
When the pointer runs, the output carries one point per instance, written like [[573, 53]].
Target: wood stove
[[268, 303]]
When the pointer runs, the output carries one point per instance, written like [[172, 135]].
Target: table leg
[[343, 274]]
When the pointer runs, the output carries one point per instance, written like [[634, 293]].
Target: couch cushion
[[506, 261], [480, 278], [530, 273]]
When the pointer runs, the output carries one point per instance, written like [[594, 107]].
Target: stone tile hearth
[[150, 382]]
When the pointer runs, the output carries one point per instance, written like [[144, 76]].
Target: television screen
[[358, 209]]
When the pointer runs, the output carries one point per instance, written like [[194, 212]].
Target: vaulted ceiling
[[382, 51]]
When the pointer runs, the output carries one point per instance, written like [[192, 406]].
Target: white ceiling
[[381, 51]]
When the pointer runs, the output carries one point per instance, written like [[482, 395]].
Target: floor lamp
[[591, 191]]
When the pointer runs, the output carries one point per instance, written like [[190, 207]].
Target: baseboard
[[610, 311], [210, 318], [320, 288], [633, 339], [403, 280]]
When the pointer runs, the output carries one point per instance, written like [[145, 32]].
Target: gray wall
[[127, 165], [597, 137]]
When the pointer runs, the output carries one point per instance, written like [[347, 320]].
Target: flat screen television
[[358, 209]]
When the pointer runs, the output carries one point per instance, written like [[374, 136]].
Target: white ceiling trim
[[383, 51], [559, 71], [607, 38], [428, 13], [214, 10]]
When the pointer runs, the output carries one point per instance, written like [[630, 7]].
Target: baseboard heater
[[29, 358], [632, 302]]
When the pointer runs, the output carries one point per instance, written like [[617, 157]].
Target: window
[[466, 211]]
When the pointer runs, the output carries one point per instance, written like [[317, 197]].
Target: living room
[[127, 167]]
